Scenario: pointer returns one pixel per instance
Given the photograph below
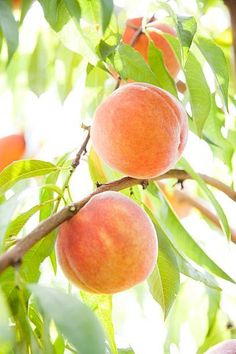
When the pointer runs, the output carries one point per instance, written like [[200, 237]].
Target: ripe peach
[[110, 245], [140, 130], [226, 347], [12, 148], [141, 44]]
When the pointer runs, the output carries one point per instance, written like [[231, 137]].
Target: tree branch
[[81, 151], [181, 175], [14, 255]]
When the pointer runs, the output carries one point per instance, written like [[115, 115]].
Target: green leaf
[[214, 305], [222, 218], [216, 59], [200, 98], [24, 9], [175, 44], [35, 317], [102, 307], [81, 40], [130, 64], [183, 265], [69, 62], [95, 90], [23, 169], [38, 68], [18, 223], [168, 222], [187, 27], [222, 147], [126, 351], [217, 333], [6, 332], [157, 65], [106, 12], [9, 28], [96, 168], [74, 9], [55, 13], [74, 319], [91, 11], [164, 281], [30, 268], [190, 309], [192, 272], [7, 210]]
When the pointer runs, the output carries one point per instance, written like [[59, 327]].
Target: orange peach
[[141, 43], [140, 130], [12, 148], [226, 347], [110, 245]]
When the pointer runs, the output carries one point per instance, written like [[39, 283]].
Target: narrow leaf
[[74, 9], [222, 218], [55, 13], [184, 266], [23, 169], [187, 27], [164, 281], [168, 222], [74, 319], [130, 64], [106, 12], [157, 65], [216, 59], [18, 223], [200, 97], [6, 331], [38, 68], [102, 307], [9, 28]]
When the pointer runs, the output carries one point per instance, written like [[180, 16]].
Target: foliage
[[79, 47]]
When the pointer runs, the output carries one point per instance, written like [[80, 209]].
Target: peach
[[226, 347], [109, 246], [140, 130], [141, 44], [12, 147]]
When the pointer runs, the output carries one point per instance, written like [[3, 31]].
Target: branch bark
[[14, 255], [81, 151]]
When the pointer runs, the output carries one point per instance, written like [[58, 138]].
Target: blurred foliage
[[80, 44]]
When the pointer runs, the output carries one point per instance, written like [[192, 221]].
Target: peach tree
[[123, 202]]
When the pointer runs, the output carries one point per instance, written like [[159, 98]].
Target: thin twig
[[81, 151], [15, 254], [74, 164]]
